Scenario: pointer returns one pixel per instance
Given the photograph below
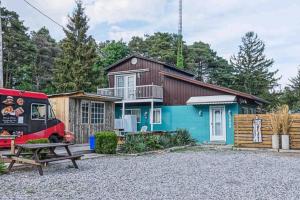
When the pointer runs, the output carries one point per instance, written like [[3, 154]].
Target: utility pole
[[1, 51]]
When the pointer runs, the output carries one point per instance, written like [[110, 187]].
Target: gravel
[[180, 175]]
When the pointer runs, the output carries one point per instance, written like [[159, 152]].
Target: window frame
[[88, 111], [90, 114], [45, 111], [160, 116], [131, 109]]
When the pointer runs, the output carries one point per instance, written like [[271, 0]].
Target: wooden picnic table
[[12, 139], [42, 154]]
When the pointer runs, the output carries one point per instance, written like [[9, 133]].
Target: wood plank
[[25, 160]]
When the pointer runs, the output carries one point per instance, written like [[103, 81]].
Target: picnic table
[[42, 154]]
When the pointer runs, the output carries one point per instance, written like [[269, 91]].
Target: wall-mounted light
[[200, 113], [146, 115], [229, 112]]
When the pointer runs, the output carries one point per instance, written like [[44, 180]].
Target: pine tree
[[74, 66], [208, 66], [108, 52], [252, 68], [47, 50], [18, 52]]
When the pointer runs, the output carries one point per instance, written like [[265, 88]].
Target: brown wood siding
[[177, 92], [83, 131], [146, 78]]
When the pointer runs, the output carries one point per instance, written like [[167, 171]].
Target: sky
[[221, 23]]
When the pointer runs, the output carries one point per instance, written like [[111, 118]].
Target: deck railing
[[132, 93]]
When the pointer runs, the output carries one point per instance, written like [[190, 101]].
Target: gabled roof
[[151, 60], [215, 87]]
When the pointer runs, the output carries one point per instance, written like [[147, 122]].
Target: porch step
[[216, 146]]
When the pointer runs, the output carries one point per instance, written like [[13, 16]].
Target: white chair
[[144, 129]]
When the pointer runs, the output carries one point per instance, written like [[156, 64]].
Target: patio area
[[195, 174]]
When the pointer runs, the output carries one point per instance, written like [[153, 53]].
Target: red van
[[29, 116]]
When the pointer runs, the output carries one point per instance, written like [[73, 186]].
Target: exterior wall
[[177, 92], [68, 110], [82, 131], [145, 78], [60, 106], [184, 116]]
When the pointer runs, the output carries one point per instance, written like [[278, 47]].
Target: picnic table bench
[[41, 154]]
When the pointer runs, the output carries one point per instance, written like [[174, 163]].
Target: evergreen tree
[[252, 68], [207, 66], [18, 52], [74, 66], [47, 50], [291, 93], [160, 46], [179, 59]]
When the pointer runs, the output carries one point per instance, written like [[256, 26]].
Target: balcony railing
[[132, 93]]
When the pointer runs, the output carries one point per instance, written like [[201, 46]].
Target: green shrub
[[38, 141], [182, 137], [166, 140], [134, 144], [106, 142], [2, 167], [152, 142]]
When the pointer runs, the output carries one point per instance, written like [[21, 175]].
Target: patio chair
[[144, 129]]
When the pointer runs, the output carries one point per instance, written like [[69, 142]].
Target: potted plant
[[285, 126], [275, 123]]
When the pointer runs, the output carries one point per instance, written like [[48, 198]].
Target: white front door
[[217, 123], [125, 86]]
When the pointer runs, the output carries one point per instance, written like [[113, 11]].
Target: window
[[136, 112], [156, 116], [244, 110], [38, 111], [84, 112], [51, 114], [97, 113]]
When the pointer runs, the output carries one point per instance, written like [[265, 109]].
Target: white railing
[[132, 93]]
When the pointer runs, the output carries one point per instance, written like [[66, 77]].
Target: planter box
[[275, 141], [285, 142]]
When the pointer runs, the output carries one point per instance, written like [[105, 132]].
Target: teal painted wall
[[184, 116]]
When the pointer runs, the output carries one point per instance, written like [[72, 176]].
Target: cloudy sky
[[220, 23]]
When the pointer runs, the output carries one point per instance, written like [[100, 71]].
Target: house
[[84, 113], [165, 98]]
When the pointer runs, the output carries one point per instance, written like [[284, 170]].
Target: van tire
[[55, 139]]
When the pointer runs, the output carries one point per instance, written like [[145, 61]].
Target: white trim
[[140, 100], [100, 102], [88, 112], [160, 119], [223, 123], [128, 71], [125, 88], [45, 111]]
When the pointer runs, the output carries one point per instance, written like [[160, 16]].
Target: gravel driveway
[[181, 175]]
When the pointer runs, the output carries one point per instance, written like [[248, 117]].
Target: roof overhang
[[216, 99], [84, 95]]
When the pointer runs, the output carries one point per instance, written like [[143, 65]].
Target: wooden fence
[[243, 131]]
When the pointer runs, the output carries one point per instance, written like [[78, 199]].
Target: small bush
[[38, 141], [2, 168], [152, 142], [166, 140], [134, 144], [182, 137], [106, 142]]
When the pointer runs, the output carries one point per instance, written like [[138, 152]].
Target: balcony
[[134, 93]]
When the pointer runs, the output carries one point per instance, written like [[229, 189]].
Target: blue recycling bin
[[92, 142]]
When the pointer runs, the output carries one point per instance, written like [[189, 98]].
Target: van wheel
[[54, 139]]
